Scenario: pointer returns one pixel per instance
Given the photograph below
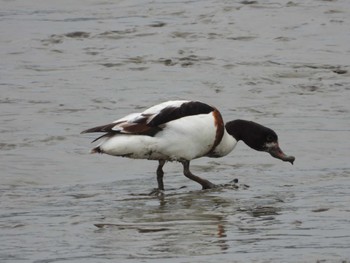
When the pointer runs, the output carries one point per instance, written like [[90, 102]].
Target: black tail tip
[[85, 131]]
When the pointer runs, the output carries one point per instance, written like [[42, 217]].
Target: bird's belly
[[133, 146]]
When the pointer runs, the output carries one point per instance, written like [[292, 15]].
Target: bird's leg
[[205, 183], [160, 175]]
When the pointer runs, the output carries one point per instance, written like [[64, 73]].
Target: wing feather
[[152, 120], [188, 108]]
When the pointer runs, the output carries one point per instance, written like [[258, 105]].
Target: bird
[[181, 131]]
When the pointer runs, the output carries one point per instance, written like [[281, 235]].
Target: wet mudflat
[[69, 66]]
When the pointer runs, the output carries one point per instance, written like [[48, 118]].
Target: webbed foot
[[156, 192]]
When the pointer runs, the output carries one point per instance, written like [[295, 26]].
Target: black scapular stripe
[[186, 109]]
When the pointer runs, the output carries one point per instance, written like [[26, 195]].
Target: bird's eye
[[269, 138]]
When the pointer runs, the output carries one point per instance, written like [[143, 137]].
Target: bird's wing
[[153, 119], [174, 110]]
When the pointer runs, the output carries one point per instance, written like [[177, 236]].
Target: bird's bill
[[275, 151]]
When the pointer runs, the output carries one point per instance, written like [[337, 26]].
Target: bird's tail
[[96, 150]]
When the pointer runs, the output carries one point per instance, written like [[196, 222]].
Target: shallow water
[[69, 66]]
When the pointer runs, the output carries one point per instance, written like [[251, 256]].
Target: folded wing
[[152, 120]]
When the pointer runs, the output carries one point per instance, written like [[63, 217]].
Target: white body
[[185, 138]]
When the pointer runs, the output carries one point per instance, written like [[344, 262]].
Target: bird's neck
[[236, 129], [242, 130]]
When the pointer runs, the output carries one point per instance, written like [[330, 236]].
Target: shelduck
[[182, 130]]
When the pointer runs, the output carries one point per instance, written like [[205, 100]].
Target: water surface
[[69, 66]]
